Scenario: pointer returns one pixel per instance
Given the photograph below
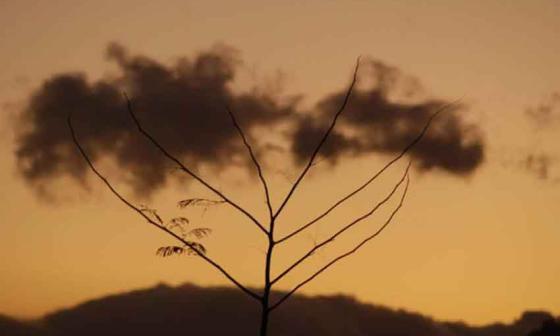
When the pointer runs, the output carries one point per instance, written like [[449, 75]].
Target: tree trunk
[[267, 284], [264, 321]]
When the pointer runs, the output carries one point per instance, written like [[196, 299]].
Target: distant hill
[[12, 327], [192, 310]]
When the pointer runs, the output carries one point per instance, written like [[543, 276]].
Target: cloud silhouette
[[200, 311], [183, 106], [375, 122]]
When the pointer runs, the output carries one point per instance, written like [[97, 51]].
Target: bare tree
[[187, 239]]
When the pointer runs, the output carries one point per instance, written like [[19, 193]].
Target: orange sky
[[479, 249]]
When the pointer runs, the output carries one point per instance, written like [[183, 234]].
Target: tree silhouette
[[176, 227], [549, 327]]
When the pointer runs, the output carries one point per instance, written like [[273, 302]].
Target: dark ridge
[[193, 310]]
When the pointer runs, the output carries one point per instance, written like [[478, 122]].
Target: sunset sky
[[477, 240]]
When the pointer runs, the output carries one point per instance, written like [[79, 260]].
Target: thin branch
[[320, 144], [332, 262], [375, 176], [187, 170], [152, 222], [253, 158], [345, 228]]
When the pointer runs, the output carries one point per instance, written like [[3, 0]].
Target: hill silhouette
[[192, 310]]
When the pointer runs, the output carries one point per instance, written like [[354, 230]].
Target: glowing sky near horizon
[[480, 248]]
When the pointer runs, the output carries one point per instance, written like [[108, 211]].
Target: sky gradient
[[479, 248]]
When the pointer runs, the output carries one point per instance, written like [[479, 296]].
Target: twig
[[253, 158], [152, 222], [320, 144], [332, 262], [187, 170], [345, 228], [374, 177]]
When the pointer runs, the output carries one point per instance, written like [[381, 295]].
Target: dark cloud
[[546, 113], [182, 105], [539, 165], [374, 121], [541, 159], [193, 310]]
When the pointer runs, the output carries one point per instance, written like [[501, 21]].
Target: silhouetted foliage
[[194, 247], [549, 327]]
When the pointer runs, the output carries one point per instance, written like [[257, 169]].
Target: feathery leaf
[[200, 232], [204, 202]]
